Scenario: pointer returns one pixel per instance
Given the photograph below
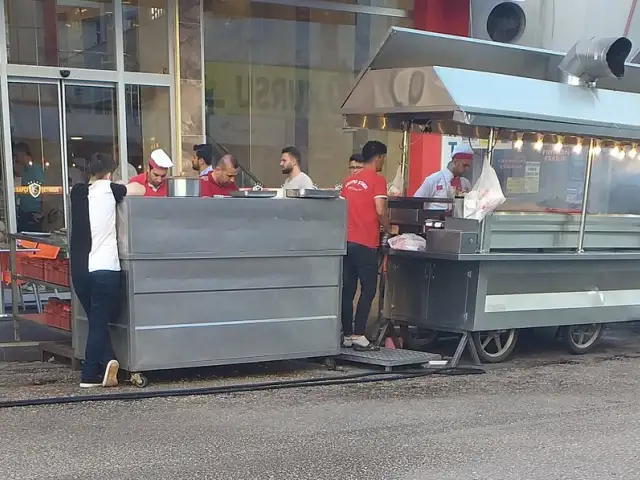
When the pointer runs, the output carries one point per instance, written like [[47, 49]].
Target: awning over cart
[[461, 86]]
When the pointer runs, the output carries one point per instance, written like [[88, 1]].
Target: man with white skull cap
[[153, 180], [449, 181]]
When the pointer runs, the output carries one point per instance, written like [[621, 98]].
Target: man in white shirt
[[449, 181], [290, 166], [202, 159]]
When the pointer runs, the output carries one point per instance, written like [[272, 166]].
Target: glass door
[[55, 128]]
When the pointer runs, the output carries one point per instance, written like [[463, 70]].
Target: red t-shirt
[[360, 190], [209, 187], [149, 191]]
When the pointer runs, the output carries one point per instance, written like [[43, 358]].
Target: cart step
[[59, 350], [388, 358]]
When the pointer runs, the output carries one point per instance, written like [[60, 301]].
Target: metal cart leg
[[465, 341], [36, 294], [387, 327]]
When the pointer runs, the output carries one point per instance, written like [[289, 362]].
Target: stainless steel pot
[[183, 187]]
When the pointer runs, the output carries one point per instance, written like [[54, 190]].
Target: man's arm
[[135, 189], [383, 213], [426, 189]]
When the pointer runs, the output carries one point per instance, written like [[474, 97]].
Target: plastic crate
[[57, 272], [32, 267], [58, 314]]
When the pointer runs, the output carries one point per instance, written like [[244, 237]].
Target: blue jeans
[[99, 294]]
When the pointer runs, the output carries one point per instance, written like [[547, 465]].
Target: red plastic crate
[[58, 314], [32, 267], [57, 272]]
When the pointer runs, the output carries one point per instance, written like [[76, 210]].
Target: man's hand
[[135, 189]]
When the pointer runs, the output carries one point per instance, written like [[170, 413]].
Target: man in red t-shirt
[[366, 194], [221, 180], [153, 180]]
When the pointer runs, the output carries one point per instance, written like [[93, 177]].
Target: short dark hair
[[228, 157], [205, 154], [22, 148], [294, 152], [101, 164], [372, 149], [356, 157]]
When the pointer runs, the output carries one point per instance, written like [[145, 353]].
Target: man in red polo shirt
[[153, 180], [221, 180], [366, 194]]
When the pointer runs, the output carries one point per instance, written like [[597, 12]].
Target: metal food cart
[[564, 249], [224, 281]]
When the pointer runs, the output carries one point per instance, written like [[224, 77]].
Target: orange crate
[[57, 272], [32, 267]]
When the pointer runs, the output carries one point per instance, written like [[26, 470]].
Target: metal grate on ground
[[388, 358]]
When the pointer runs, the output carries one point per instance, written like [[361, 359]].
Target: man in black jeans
[[366, 194], [95, 264]]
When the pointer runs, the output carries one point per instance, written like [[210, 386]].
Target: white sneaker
[[111, 374], [347, 342], [89, 385]]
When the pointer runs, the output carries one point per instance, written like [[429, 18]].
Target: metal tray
[[312, 193], [253, 194]]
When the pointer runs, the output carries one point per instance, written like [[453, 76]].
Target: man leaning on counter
[[154, 178]]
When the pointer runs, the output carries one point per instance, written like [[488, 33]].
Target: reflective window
[[615, 182], [534, 179], [276, 75], [146, 42], [61, 33], [148, 122]]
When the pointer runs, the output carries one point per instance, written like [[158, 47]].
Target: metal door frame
[[87, 77]]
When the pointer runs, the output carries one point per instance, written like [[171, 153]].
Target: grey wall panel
[[172, 311], [232, 226], [154, 276], [226, 344]]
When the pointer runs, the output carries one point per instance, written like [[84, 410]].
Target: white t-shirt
[[438, 185], [300, 181], [102, 218]]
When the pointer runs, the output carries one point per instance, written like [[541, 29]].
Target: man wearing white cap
[[153, 180], [448, 181]]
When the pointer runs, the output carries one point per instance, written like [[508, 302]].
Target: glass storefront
[[81, 77], [276, 75]]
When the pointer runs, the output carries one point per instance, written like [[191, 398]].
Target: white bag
[[485, 196], [408, 241], [395, 188]]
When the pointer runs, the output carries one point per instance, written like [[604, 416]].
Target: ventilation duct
[[590, 60]]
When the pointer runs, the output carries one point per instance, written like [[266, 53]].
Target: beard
[[287, 170]]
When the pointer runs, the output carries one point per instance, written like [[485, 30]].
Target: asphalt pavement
[[542, 416]]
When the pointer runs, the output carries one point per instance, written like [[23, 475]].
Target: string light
[[577, 148], [518, 143], [558, 146], [615, 151], [597, 149], [632, 152], [538, 145]]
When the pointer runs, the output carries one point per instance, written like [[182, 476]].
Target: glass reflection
[[61, 33], [146, 43], [148, 114], [36, 151], [615, 182]]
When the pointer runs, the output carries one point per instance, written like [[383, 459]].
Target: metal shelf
[[55, 239], [42, 282]]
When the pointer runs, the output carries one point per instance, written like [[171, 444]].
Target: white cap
[[462, 148], [161, 159]]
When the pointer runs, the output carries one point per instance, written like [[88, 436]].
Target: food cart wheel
[[581, 339], [416, 338], [494, 346], [139, 380]]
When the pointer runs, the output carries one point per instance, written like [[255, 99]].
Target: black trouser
[[360, 263], [99, 294]]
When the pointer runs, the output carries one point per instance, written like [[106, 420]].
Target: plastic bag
[[485, 196], [395, 188], [408, 241]]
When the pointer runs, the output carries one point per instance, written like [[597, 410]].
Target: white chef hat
[[463, 150], [160, 159]]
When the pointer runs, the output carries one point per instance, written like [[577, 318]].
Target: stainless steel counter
[[223, 281]]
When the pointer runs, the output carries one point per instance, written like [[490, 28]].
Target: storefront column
[[190, 82], [441, 16]]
